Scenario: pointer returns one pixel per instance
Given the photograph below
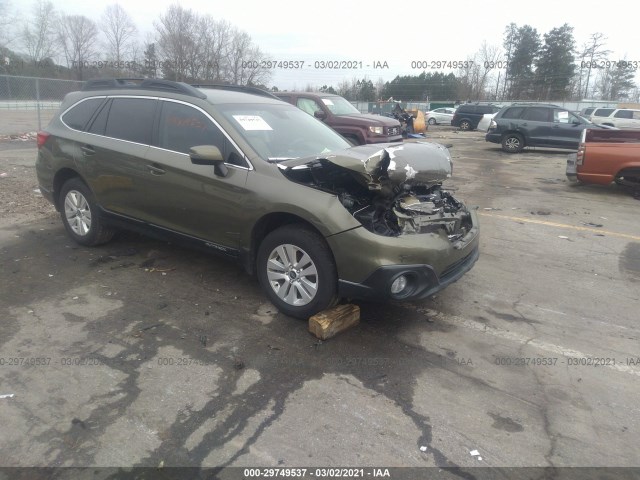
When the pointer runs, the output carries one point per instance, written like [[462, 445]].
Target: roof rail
[[239, 88], [143, 84]]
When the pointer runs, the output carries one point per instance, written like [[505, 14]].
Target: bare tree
[[175, 41], [38, 34], [245, 61], [6, 20], [592, 52], [215, 37], [120, 32], [77, 36]]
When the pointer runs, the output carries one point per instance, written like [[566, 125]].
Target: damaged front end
[[393, 191]]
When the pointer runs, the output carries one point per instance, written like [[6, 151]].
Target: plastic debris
[[423, 448], [563, 237], [590, 224], [7, 395], [474, 453], [480, 458], [4, 175]]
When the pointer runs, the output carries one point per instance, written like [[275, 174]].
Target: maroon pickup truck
[[606, 156], [344, 118]]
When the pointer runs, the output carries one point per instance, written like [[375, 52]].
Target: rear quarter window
[[79, 115]]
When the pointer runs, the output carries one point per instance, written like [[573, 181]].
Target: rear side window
[[80, 114], [131, 119], [466, 109], [513, 112], [537, 114], [603, 112], [623, 114]]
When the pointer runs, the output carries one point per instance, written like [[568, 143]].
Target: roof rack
[[239, 88], [143, 84]]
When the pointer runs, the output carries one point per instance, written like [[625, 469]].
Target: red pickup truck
[[606, 156]]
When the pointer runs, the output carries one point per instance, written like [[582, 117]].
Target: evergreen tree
[[556, 64]]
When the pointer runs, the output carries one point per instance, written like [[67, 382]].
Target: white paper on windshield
[[326, 101], [252, 122]]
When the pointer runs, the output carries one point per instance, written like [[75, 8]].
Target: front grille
[[393, 131]]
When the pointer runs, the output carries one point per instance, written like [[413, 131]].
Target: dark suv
[[468, 115], [536, 125], [235, 171], [344, 118]]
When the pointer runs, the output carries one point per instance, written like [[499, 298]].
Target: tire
[[465, 125], [432, 121], [512, 143], [81, 215], [305, 286]]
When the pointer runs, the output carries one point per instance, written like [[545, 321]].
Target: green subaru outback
[[238, 172]]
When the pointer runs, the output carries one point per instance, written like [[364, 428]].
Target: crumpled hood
[[418, 163]]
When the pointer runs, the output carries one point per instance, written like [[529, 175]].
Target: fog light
[[399, 284]]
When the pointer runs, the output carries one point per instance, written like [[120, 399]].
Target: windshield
[[339, 106], [282, 131]]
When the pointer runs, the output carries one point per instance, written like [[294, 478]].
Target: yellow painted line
[[562, 225]]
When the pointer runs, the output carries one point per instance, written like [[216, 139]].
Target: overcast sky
[[396, 32]]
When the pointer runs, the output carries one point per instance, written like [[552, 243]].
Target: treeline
[[193, 47], [185, 46], [528, 67]]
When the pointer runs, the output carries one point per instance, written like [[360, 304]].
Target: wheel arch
[[59, 180], [515, 132], [267, 224]]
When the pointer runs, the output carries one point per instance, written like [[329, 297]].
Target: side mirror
[[319, 114], [209, 155]]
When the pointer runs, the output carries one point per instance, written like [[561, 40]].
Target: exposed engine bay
[[392, 191]]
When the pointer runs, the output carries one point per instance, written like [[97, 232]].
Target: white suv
[[620, 118]]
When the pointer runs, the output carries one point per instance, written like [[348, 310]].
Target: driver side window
[[309, 106]]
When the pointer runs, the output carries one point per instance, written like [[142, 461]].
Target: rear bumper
[[493, 137], [572, 168]]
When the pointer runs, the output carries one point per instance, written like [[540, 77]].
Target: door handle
[[156, 170], [87, 150]]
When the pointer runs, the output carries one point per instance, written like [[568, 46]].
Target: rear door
[[115, 151], [535, 125]]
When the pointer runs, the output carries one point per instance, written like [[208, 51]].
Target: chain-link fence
[[27, 104]]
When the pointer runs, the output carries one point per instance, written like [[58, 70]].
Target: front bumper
[[424, 281], [572, 167]]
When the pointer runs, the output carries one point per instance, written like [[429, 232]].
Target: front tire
[[432, 121], [512, 143], [297, 271], [80, 214]]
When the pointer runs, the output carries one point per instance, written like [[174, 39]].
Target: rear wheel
[[465, 125], [297, 272], [512, 143], [80, 214]]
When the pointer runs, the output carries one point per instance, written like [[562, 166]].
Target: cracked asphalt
[[143, 353]]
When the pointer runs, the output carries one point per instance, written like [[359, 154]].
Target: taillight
[[581, 147], [42, 137], [580, 154]]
